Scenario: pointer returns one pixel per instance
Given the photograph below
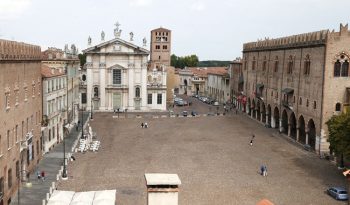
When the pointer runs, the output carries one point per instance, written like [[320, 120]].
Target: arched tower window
[[290, 65], [345, 68], [341, 66], [276, 65], [338, 107]]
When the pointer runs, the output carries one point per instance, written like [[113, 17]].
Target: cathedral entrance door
[[117, 101], [137, 104]]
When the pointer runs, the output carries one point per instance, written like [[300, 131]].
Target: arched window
[[253, 63], [96, 92], [338, 107], [337, 66], [307, 64], [290, 65], [276, 65], [300, 101], [345, 68], [83, 77], [137, 92], [264, 64]]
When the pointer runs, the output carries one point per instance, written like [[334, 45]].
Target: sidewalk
[[50, 163]]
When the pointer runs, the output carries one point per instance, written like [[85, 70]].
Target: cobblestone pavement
[[50, 163], [212, 157]]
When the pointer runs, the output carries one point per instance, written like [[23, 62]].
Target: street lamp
[[91, 117], [64, 173], [82, 124]]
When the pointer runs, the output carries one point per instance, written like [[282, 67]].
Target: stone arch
[[293, 126], [263, 111], [311, 134], [269, 114], [284, 122], [276, 116], [301, 125], [258, 116]]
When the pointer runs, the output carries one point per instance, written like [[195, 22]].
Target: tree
[[82, 58], [181, 62], [339, 135]]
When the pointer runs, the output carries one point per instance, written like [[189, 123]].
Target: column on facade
[[307, 136], [131, 72], [103, 82], [267, 118], [289, 130], [90, 81], [273, 122], [144, 84], [298, 133], [261, 117], [280, 125]]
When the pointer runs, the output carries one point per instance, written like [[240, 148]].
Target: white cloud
[[198, 6], [10, 9], [140, 3]]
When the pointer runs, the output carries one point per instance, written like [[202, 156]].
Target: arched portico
[[292, 126], [284, 127], [311, 135]]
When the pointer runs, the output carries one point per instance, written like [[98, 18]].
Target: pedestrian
[[251, 142], [43, 175], [262, 170], [38, 174], [146, 125], [141, 124], [265, 171]]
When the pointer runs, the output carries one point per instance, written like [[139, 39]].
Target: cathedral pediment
[[117, 45]]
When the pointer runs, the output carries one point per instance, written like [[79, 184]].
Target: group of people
[[263, 170], [41, 175], [144, 125], [251, 141]]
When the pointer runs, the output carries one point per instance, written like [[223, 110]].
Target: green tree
[[339, 135], [82, 58], [181, 62]]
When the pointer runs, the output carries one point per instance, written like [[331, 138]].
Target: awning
[[288, 90]]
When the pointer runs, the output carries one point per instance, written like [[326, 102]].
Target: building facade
[[54, 102], [218, 85], [118, 79], [20, 114], [297, 83]]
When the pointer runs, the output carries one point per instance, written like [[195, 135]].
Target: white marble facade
[[117, 77]]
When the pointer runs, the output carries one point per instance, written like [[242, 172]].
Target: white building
[[218, 85], [54, 100], [117, 76]]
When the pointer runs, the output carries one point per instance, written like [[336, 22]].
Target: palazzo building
[[297, 83], [20, 114], [118, 78]]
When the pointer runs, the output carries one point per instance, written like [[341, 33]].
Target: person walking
[[38, 174], [251, 142], [146, 125], [265, 171], [142, 125], [43, 175], [262, 170]]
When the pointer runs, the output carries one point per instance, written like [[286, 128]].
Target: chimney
[[162, 189]]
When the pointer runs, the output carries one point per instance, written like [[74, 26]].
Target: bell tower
[[160, 48]]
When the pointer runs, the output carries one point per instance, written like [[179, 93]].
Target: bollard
[[76, 149], [47, 196], [44, 202]]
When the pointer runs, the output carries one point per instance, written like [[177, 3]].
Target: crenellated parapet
[[12, 50], [313, 38]]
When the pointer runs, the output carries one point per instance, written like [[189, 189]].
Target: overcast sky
[[212, 29]]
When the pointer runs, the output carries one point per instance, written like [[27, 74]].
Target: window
[[264, 64], [165, 47], [253, 64], [7, 100], [307, 102], [307, 64], [275, 69], [137, 92], [338, 107], [159, 99], [157, 47], [149, 98], [290, 65], [300, 101], [16, 133], [17, 169], [96, 92], [271, 93], [315, 105], [83, 77], [117, 77], [8, 139], [159, 57], [83, 98], [9, 178], [294, 99], [345, 69]]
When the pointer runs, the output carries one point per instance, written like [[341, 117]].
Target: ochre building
[[20, 114], [297, 83]]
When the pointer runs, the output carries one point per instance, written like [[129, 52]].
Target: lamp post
[[82, 122], [64, 173], [91, 117]]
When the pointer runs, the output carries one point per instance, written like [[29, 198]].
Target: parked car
[[176, 99], [339, 193], [194, 113], [179, 103], [185, 102], [184, 113]]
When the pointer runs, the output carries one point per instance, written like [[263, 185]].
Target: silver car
[[339, 193]]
